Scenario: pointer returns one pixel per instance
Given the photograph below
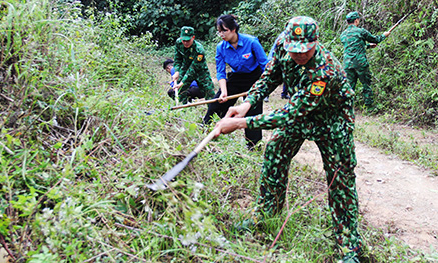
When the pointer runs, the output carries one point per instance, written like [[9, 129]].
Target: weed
[[77, 149]]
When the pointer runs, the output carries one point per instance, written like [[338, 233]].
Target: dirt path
[[395, 195]]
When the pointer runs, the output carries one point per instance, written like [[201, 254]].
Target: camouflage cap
[[187, 32], [301, 34], [352, 16]]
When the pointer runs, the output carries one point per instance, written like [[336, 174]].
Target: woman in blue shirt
[[247, 60]]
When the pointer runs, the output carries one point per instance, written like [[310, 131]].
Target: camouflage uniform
[[355, 59], [321, 110], [191, 64]]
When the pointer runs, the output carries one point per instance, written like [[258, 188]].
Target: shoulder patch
[[200, 57], [317, 88]]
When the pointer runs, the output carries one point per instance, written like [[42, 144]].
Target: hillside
[[86, 125]]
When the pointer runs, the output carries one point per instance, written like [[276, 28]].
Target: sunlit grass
[[88, 125], [411, 144]]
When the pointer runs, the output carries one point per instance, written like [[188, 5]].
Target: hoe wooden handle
[[208, 101]]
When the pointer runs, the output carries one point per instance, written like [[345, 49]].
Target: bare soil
[[396, 196]]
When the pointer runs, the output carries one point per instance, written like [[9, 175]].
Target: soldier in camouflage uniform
[[356, 65], [320, 109], [190, 65]]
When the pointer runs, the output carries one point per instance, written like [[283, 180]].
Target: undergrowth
[[86, 125]]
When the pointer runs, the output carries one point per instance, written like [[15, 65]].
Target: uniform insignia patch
[[200, 57], [317, 88], [190, 58], [246, 56], [298, 31]]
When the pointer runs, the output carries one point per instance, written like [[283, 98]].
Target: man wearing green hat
[[190, 65], [321, 110], [356, 65]]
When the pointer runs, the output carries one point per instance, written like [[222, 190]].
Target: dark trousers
[[238, 83], [192, 93]]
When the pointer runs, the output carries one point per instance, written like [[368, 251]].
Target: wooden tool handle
[[176, 94], [209, 101], [204, 142]]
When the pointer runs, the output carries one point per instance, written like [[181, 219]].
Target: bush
[[164, 18]]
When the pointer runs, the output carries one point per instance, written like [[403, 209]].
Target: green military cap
[[187, 32], [301, 34], [352, 16]]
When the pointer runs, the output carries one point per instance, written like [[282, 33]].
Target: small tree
[[164, 18]]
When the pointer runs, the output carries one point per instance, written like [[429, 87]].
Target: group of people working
[[320, 107], [242, 52]]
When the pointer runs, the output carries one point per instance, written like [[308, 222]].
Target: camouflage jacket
[[321, 105], [189, 62], [354, 40]]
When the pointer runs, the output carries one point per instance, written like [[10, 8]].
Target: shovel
[[162, 183]]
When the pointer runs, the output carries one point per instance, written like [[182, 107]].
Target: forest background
[[85, 125]]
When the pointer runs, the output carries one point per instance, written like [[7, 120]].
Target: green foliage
[[163, 18], [78, 147]]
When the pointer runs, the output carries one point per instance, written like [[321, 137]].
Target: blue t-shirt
[[172, 71], [248, 55]]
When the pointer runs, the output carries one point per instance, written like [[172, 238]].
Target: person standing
[[247, 60], [190, 65], [193, 91], [320, 109], [356, 64]]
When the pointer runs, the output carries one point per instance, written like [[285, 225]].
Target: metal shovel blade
[[162, 183]]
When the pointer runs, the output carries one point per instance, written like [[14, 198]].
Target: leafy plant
[[164, 18], [85, 125]]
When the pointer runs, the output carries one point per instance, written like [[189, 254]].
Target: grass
[[408, 143], [76, 157]]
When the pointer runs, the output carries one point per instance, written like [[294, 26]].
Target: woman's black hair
[[167, 62], [229, 21]]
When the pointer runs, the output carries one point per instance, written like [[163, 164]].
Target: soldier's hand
[[228, 125], [238, 111], [387, 33]]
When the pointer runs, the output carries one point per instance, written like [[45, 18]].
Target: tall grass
[[86, 125]]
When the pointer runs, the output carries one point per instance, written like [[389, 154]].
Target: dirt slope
[[395, 196]]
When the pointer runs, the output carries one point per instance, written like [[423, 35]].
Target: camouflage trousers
[[205, 85], [339, 159], [364, 75]]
